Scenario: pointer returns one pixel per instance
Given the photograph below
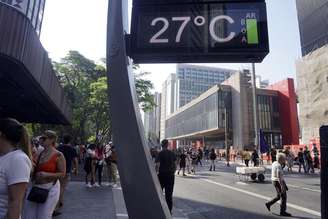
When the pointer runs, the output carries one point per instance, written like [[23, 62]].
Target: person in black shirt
[[166, 167], [70, 155], [182, 163]]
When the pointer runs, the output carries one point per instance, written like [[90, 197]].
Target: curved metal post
[[139, 181]]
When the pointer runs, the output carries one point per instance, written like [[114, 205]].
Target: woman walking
[[15, 167], [89, 165], [99, 163], [50, 166]]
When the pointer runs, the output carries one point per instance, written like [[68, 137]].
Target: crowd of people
[[34, 173]]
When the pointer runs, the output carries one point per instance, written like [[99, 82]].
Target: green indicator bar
[[252, 33]]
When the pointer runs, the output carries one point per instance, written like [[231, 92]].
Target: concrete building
[[152, 122], [312, 68], [203, 121], [29, 88]]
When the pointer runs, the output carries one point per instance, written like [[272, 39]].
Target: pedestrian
[[200, 155], [207, 154], [316, 157], [89, 165], [188, 161], [194, 159], [290, 160], [212, 158], [273, 154], [15, 167], [99, 163], [43, 196], [255, 158], [279, 184], [113, 166], [182, 163], [71, 158], [308, 161], [301, 162], [166, 166], [247, 157]]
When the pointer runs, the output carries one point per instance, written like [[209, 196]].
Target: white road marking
[[126, 215], [242, 183], [300, 208], [299, 187]]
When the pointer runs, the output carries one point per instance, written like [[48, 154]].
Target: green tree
[[85, 85]]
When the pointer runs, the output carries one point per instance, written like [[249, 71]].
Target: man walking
[[71, 158], [280, 185], [166, 166], [301, 161]]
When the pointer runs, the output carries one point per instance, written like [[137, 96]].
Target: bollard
[[324, 171]]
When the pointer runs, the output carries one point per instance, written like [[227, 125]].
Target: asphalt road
[[220, 194]]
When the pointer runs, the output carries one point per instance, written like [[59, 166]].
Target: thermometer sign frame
[[199, 32]]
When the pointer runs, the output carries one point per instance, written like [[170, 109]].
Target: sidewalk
[[92, 203], [97, 203]]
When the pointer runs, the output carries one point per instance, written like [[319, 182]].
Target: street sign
[[324, 170], [199, 32]]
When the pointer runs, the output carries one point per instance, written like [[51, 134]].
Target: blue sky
[[80, 25]]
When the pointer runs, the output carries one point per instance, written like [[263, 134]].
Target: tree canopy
[[85, 84]]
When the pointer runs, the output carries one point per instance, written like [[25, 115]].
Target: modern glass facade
[[32, 9], [194, 80], [208, 114]]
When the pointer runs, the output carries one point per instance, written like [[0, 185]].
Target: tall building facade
[[202, 122], [312, 68], [152, 122], [27, 77], [193, 80], [168, 103]]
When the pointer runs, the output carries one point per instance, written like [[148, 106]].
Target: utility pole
[[256, 139], [226, 133]]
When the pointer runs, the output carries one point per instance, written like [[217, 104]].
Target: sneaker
[[268, 206], [96, 185], [115, 185], [285, 214], [88, 185], [56, 213]]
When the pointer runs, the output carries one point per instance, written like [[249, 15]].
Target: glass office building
[[193, 80]]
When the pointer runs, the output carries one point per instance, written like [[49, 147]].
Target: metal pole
[[142, 193], [226, 134], [324, 170], [256, 140]]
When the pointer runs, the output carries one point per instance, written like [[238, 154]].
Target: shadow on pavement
[[200, 210]]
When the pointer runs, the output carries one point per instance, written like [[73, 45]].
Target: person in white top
[[279, 184], [15, 167]]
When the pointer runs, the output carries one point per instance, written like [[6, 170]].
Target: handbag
[[38, 195]]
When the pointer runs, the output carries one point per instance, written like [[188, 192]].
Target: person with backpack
[[71, 158], [212, 158]]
